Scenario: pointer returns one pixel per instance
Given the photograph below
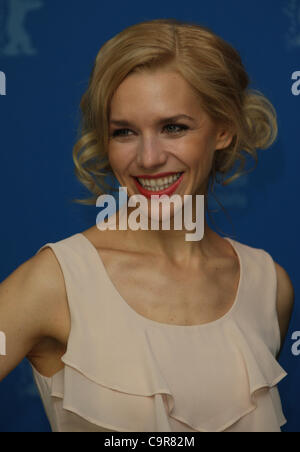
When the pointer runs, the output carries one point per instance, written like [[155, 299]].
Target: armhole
[[275, 308], [55, 253], [51, 246]]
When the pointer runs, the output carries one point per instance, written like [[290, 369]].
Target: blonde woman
[[142, 330]]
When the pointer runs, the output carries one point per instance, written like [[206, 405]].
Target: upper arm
[[285, 301], [30, 306]]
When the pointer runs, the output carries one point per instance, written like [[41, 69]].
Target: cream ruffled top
[[126, 373]]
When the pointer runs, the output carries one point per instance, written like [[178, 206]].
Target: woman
[[143, 330]]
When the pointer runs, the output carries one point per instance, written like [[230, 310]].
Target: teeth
[[159, 184]]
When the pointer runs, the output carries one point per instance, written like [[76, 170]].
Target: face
[[144, 142]]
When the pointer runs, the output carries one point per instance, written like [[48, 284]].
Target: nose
[[150, 153]]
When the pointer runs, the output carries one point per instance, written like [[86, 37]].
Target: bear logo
[[15, 39], [292, 11]]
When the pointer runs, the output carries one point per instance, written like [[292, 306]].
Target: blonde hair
[[213, 69]]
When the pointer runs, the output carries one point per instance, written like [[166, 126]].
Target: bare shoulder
[[54, 287], [285, 299], [43, 277], [32, 308], [38, 275], [44, 271]]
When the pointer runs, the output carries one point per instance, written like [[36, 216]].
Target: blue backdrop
[[47, 48]]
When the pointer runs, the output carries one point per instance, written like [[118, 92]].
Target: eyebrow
[[122, 122]]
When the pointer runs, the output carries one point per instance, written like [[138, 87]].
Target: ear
[[224, 137]]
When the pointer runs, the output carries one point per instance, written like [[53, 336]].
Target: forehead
[[157, 92]]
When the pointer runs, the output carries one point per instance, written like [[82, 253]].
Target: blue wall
[[47, 52]]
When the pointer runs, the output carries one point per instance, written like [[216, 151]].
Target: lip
[[167, 191]]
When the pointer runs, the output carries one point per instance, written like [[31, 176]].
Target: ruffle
[[139, 385]]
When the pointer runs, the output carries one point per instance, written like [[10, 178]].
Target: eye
[[121, 132], [181, 127]]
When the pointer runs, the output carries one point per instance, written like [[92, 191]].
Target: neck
[[172, 244]]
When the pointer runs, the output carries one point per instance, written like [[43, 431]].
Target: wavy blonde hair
[[211, 66]]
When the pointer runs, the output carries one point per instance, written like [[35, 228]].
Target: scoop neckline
[[155, 323]]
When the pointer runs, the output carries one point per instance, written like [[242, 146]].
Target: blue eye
[[118, 132], [181, 127]]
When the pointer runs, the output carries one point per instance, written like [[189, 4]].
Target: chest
[[171, 295]]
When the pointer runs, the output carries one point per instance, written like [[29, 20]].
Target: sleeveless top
[[126, 373]]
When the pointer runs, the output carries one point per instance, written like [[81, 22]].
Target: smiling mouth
[[160, 186]]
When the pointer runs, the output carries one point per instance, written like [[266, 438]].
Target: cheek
[[119, 160], [200, 155], [114, 158], [200, 160]]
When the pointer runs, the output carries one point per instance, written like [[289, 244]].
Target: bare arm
[[31, 302], [285, 301]]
